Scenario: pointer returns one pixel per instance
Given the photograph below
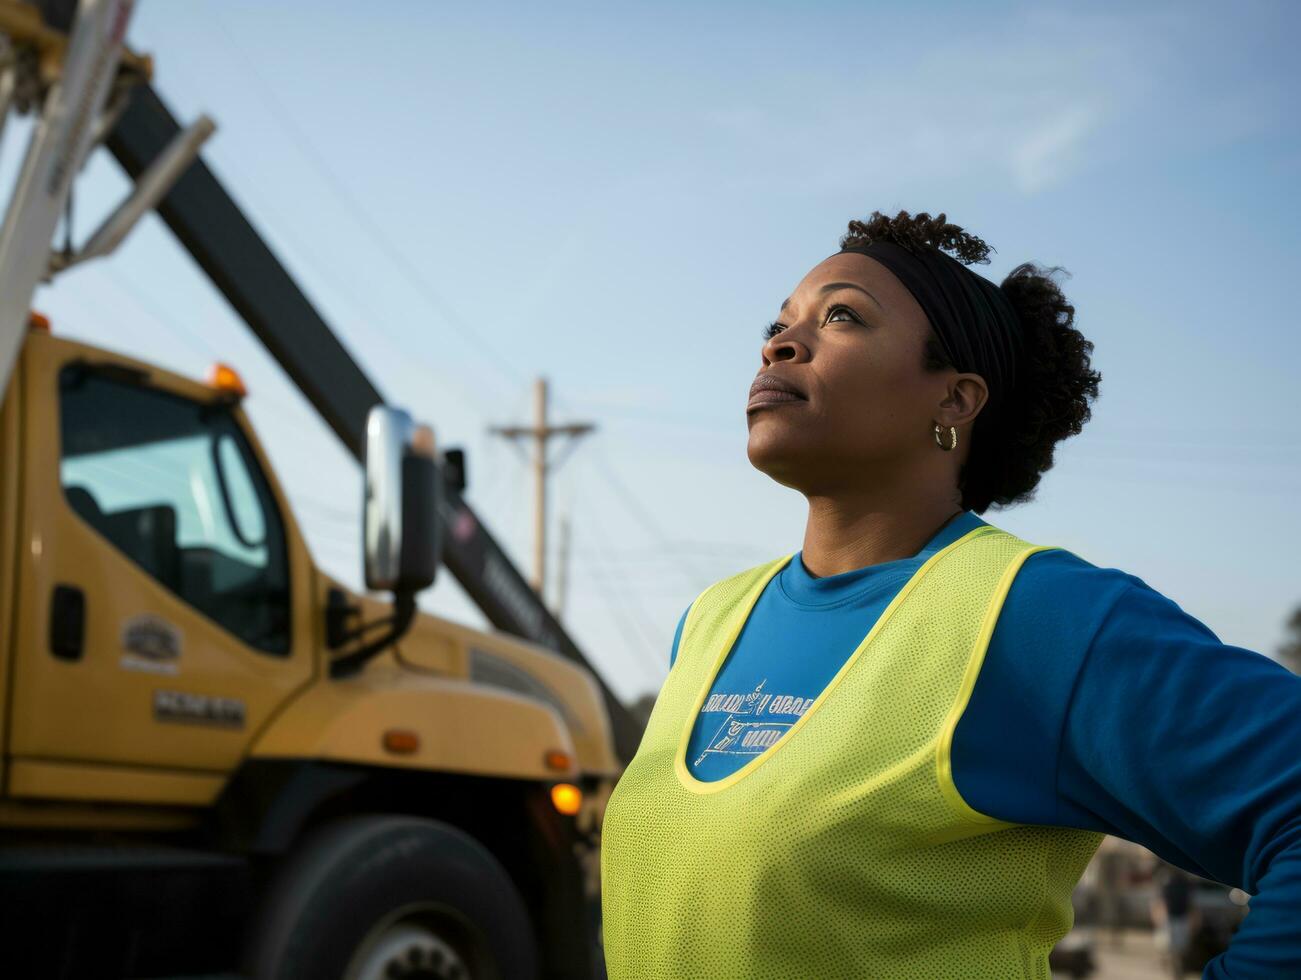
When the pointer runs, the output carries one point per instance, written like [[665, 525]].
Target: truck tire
[[392, 897]]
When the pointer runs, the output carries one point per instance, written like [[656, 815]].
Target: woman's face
[[841, 398]]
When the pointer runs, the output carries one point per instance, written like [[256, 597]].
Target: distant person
[[1175, 915], [1110, 893], [963, 714]]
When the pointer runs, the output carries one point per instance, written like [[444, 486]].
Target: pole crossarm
[[541, 432]]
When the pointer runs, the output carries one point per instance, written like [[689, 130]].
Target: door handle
[[67, 622]]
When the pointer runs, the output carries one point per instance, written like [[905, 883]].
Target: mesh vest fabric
[[845, 849]]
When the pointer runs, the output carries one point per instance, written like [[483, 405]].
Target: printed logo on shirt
[[754, 722]]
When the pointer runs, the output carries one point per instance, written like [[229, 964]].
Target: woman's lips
[[772, 396], [769, 389]]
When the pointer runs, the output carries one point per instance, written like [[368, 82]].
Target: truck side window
[[173, 485]]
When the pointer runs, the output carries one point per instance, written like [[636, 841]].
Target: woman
[[892, 754]]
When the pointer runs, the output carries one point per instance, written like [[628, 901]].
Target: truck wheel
[[391, 898]]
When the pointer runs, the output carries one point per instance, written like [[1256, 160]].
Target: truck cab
[[190, 780]]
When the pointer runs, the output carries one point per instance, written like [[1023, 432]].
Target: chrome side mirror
[[402, 494]]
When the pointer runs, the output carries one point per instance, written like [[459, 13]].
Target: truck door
[[165, 602]]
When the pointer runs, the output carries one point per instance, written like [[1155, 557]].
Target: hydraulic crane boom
[[211, 227]]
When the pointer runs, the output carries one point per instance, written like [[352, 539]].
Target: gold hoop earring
[[953, 435]]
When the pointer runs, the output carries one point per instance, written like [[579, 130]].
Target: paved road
[[1136, 958]]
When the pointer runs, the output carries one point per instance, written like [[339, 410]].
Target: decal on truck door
[[152, 645]]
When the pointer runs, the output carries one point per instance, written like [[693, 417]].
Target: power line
[[694, 575], [146, 303], [408, 270], [631, 624], [333, 278], [642, 514]]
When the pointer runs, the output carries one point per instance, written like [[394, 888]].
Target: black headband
[[973, 318]]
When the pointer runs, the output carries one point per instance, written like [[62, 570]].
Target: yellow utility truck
[[218, 761]]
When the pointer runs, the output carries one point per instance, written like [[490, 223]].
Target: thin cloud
[[1052, 151]]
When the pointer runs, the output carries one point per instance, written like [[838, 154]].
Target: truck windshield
[[173, 485]]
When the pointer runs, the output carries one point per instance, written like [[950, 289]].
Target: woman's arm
[[1192, 748]]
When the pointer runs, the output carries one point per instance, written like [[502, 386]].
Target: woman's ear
[[966, 396]]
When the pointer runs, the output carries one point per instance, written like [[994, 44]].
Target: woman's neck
[[843, 534]]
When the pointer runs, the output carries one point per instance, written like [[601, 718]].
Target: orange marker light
[[38, 321], [555, 759], [225, 378], [400, 741], [567, 798]]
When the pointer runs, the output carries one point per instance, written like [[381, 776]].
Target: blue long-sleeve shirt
[[1101, 705]]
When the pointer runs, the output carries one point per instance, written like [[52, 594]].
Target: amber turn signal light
[[399, 741], [567, 798]]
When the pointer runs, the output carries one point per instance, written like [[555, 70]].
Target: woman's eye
[[834, 315]]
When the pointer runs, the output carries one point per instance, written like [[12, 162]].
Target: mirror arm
[[404, 611], [359, 631]]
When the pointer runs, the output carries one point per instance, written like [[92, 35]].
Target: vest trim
[[690, 782], [943, 755]]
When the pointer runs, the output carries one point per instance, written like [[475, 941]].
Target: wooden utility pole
[[562, 569], [540, 433]]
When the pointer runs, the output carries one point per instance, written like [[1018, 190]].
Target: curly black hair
[[1013, 448]]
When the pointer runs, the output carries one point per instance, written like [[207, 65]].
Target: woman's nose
[[783, 347]]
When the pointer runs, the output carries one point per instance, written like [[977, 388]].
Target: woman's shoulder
[[1061, 597], [1059, 567], [729, 590], [732, 586], [1059, 574], [1061, 591]]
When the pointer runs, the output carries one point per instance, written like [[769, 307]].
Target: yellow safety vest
[[844, 850]]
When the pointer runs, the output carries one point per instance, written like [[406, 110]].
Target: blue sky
[[619, 196]]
